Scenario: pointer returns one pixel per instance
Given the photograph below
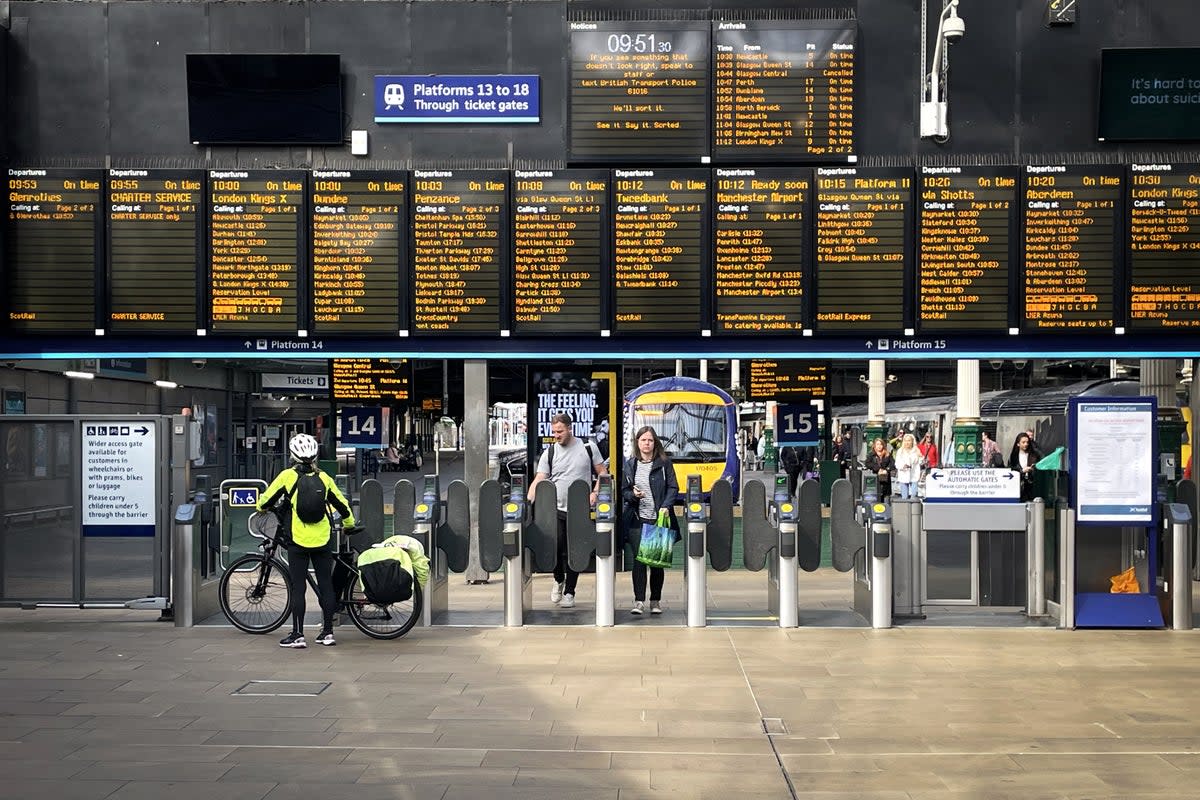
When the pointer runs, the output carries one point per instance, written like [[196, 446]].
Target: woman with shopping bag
[[649, 489]]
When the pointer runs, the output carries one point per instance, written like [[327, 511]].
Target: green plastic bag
[[1054, 461], [657, 547]]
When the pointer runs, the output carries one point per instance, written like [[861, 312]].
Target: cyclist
[[307, 541]]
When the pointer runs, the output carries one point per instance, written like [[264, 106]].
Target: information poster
[[359, 242], [560, 225], [1114, 449], [760, 249], [966, 249], [639, 90], [256, 219], [155, 242], [1164, 247], [53, 256], [119, 472], [460, 225], [784, 88], [1073, 246], [660, 222]]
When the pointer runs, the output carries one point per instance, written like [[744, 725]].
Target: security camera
[[954, 28], [199, 363]]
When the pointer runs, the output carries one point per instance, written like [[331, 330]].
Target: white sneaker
[[639, 608], [568, 601], [655, 607], [556, 593]]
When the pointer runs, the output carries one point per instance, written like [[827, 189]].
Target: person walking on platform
[[929, 450], [789, 460], [307, 494], [566, 460], [881, 463], [648, 486], [1023, 459], [992, 457], [908, 467]]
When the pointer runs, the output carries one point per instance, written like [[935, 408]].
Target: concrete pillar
[[475, 450], [679, 368], [966, 439], [704, 369], [876, 403], [1158, 381], [735, 373]]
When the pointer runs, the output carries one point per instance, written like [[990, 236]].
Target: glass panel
[[948, 565], [118, 567], [38, 533]]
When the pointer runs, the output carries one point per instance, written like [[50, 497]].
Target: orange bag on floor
[[1125, 583]]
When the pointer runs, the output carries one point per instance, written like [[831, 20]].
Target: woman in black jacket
[[648, 485], [882, 464]]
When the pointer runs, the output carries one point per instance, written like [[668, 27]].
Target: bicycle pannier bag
[[386, 575], [309, 501]]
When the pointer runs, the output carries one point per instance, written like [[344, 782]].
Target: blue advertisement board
[[504, 99]]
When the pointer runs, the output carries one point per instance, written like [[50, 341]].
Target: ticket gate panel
[[808, 539], [541, 535], [845, 532], [404, 504], [759, 536], [370, 514], [454, 536], [1185, 492], [581, 531], [720, 525], [491, 526]]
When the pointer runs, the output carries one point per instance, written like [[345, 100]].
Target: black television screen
[[1149, 94], [259, 98]]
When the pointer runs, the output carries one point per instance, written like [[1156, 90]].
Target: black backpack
[[308, 497]]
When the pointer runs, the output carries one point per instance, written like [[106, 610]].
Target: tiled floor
[[102, 704]]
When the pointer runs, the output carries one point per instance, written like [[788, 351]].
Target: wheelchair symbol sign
[[247, 496]]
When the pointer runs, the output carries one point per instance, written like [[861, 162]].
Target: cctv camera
[[199, 363], [954, 28]]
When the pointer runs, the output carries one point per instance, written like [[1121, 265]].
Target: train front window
[[689, 431]]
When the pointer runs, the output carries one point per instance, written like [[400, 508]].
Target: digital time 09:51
[[637, 43]]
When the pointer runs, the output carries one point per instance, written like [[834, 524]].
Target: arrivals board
[[864, 240], [1164, 247], [155, 243], [359, 242], [787, 380], [760, 259], [1073, 246], [53, 250], [784, 89], [560, 224], [660, 220], [639, 90], [370, 380], [256, 247], [966, 248], [460, 226]]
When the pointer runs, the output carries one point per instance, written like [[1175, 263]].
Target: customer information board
[[54, 250], [155, 247], [256, 249], [1164, 247], [359, 250], [560, 225], [1073, 246], [370, 380], [760, 251]]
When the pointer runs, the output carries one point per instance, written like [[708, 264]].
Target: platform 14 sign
[[363, 427]]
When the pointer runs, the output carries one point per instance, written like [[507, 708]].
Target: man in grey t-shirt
[[573, 461]]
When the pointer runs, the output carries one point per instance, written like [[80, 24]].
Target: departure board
[[1073, 248], [370, 380], [784, 88], [560, 225], [787, 380], [155, 242], [639, 90], [359, 241], [864, 239], [660, 221], [256, 249], [760, 249], [53, 249], [1164, 247], [966, 248], [460, 225]]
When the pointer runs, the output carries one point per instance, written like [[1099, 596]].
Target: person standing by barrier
[[929, 451], [908, 467], [307, 493], [566, 460], [648, 486], [1023, 459], [881, 463]]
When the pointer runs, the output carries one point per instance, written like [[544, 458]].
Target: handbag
[[657, 548]]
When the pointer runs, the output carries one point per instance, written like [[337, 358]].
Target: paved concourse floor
[[115, 705]]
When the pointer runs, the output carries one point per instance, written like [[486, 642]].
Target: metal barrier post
[[1036, 588], [606, 571], [1180, 518], [518, 588], [1066, 569], [881, 565], [183, 570]]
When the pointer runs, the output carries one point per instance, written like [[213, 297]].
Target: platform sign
[[505, 99], [797, 425], [118, 469], [1113, 446], [246, 496], [363, 427], [963, 485]]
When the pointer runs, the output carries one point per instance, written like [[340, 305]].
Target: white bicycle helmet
[[303, 447]]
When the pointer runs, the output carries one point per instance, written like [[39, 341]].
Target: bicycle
[[256, 590]]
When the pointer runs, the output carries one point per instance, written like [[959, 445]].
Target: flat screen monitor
[[1149, 94], [261, 98]]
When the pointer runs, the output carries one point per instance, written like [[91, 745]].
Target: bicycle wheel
[[383, 622], [256, 593]]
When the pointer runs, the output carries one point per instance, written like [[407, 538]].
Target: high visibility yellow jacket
[[307, 534]]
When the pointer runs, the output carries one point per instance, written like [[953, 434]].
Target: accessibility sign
[[118, 476], [984, 485], [246, 496]]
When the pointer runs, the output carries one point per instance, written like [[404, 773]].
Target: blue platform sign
[[363, 427], [797, 425], [504, 99], [245, 496]]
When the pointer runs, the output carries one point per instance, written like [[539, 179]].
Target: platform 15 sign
[[797, 425]]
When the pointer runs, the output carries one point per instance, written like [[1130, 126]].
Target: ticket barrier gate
[[846, 536], [518, 562], [776, 526]]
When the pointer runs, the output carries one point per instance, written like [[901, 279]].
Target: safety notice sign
[[972, 485], [118, 478]]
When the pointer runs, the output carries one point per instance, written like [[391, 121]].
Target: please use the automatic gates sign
[[972, 485], [472, 99]]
